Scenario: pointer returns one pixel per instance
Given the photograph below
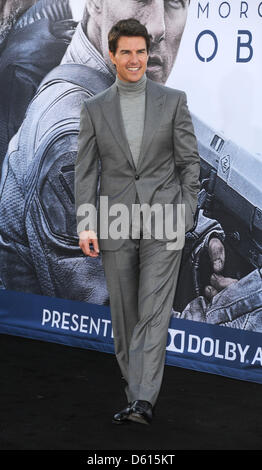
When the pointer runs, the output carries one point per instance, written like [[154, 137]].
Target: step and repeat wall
[[48, 289]]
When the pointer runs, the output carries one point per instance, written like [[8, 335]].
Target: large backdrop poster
[[54, 56]]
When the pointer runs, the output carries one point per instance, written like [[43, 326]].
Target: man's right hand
[[85, 239]]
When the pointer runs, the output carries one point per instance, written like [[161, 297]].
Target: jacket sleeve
[[187, 159], [86, 174]]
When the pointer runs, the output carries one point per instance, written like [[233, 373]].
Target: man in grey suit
[[142, 135]]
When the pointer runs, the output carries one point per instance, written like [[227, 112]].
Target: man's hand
[[217, 255], [85, 239]]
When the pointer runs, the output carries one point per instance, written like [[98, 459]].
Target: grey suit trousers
[[141, 279]]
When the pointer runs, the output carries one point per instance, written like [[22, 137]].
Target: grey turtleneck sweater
[[132, 102]]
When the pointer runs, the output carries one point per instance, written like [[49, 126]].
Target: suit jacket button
[[137, 177]]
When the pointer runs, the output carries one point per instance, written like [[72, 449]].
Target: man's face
[[165, 21], [130, 58]]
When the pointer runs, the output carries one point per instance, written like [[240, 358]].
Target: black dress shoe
[[141, 412], [122, 416]]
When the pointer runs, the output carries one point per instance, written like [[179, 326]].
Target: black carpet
[[55, 397]]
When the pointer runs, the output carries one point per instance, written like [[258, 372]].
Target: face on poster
[[164, 19]]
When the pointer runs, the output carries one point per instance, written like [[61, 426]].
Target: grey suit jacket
[[168, 165]]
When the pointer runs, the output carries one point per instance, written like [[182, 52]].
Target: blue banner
[[62, 321], [204, 347], [216, 349]]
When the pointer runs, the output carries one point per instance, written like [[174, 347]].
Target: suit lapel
[[155, 100], [113, 116]]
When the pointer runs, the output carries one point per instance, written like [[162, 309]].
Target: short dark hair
[[129, 27]]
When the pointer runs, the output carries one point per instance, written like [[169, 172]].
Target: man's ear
[[94, 6], [112, 57]]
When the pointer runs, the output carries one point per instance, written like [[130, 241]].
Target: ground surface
[[55, 397]]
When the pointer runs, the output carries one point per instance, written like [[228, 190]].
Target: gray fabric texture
[[132, 103]]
